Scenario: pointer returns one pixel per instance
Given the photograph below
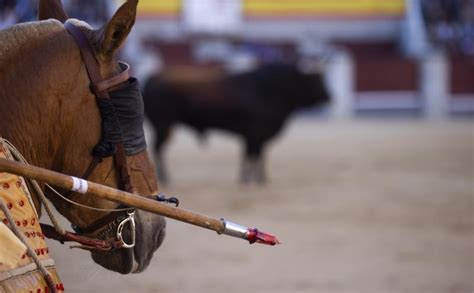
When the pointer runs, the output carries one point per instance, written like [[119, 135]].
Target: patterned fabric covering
[[18, 272], [11, 250]]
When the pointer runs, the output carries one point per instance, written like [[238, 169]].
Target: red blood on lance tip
[[253, 235]]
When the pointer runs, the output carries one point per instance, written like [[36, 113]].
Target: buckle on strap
[[130, 219]]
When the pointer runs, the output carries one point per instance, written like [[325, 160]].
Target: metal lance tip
[[252, 235]]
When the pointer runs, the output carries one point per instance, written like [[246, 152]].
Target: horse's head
[[83, 132]]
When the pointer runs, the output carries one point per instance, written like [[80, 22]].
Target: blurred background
[[373, 193], [415, 55]]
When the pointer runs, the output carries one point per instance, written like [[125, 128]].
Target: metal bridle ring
[[131, 219]]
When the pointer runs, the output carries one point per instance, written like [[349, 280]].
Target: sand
[[370, 205]]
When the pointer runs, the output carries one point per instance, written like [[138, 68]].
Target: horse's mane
[[26, 34]]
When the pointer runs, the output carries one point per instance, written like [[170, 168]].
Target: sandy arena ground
[[360, 206]]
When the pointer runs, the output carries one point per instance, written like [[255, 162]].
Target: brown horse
[[47, 110]]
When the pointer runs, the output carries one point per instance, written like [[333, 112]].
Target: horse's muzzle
[[149, 232]]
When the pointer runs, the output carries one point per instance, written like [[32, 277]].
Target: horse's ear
[[114, 33], [52, 9]]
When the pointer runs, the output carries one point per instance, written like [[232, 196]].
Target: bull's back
[[235, 103], [213, 102]]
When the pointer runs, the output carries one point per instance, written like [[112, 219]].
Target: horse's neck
[[23, 43], [46, 107], [33, 58]]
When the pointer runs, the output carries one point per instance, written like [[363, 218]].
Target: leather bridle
[[121, 216], [101, 87]]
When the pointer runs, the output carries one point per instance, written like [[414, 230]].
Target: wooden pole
[[253, 235], [129, 199]]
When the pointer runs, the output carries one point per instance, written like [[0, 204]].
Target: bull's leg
[[245, 171], [253, 169], [260, 173]]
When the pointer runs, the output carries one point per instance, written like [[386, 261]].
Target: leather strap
[[95, 161], [101, 222], [121, 163], [99, 86], [92, 65], [113, 82], [88, 243], [101, 89]]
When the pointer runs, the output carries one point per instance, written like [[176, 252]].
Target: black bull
[[254, 105]]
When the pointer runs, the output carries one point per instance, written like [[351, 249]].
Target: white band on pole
[[79, 185]]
